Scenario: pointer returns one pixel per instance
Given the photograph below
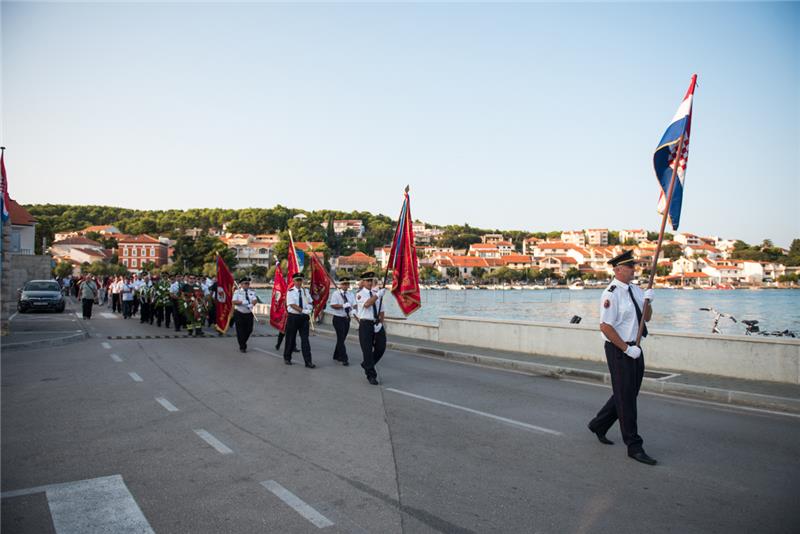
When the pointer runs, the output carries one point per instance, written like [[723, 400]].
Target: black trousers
[[135, 304], [158, 313], [167, 315], [244, 327], [116, 303], [177, 315], [87, 308], [127, 308], [297, 323], [626, 379], [342, 327], [373, 345], [145, 315]]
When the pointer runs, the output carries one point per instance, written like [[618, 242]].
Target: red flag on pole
[[292, 266], [224, 296], [320, 285], [403, 262], [277, 308]]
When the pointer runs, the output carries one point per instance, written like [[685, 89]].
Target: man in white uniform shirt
[[243, 301], [299, 306], [343, 305], [174, 297], [620, 313], [371, 333]]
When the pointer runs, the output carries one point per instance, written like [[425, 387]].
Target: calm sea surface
[[675, 310]]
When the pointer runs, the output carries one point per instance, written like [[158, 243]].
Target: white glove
[[308, 311], [381, 292], [649, 294], [633, 351]]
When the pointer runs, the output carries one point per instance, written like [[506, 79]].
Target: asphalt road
[[202, 438]]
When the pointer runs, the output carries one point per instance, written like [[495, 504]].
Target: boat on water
[[455, 287], [576, 286]]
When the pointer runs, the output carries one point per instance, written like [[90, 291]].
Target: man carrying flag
[[625, 308], [244, 299]]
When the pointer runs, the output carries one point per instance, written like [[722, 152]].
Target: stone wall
[[18, 269]]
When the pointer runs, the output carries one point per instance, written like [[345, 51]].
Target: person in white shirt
[[343, 304], [116, 291], [300, 307], [175, 298], [127, 298], [243, 300], [620, 313], [371, 333]]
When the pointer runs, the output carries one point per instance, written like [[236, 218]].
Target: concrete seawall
[[751, 358]]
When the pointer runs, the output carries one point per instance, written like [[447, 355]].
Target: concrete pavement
[[439, 447]]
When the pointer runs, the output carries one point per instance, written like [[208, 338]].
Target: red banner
[[292, 266], [224, 297], [403, 262], [277, 307], [320, 284]]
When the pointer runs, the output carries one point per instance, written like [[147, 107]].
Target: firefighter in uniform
[[299, 307], [194, 306], [620, 314], [243, 300], [371, 332], [343, 303]]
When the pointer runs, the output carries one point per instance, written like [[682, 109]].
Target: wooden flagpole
[[678, 156]]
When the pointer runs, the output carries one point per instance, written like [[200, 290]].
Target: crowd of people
[[176, 301]]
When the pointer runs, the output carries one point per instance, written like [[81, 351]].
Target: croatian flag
[[666, 157], [4, 199]]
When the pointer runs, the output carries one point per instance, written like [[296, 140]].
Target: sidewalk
[[759, 394]]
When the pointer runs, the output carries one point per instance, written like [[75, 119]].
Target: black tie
[[300, 296], [344, 298], [638, 311], [246, 298], [375, 311]]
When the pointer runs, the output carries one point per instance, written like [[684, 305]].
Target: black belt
[[366, 320]]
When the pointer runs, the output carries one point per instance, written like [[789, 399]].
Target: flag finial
[[407, 188]]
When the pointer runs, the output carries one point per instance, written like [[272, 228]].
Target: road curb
[[44, 343], [677, 389]]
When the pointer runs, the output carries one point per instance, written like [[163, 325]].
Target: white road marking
[[214, 442], [79, 315], [166, 404], [299, 506], [135, 377], [91, 506], [105, 345], [12, 316], [116, 358], [477, 412], [268, 353], [108, 315]]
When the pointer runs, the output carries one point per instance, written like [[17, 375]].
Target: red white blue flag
[[403, 262], [666, 158]]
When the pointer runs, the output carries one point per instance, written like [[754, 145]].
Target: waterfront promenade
[[189, 435]]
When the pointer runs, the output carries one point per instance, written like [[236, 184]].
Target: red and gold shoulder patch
[[606, 303]]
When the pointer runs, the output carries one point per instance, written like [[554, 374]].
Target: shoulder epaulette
[[611, 288]]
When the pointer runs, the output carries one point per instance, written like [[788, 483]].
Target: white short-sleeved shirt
[[293, 297], [617, 310], [250, 297], [127, 292], [342, 298], [363, 312]]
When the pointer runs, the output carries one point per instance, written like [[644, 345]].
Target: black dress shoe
[[296, 350], [642, 456], [601, 437], [242, 350], [373, 381], [287, 362], [277, 347], [345, 363], [311, 365]]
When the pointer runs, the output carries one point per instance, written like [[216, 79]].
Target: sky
[[526, 116]]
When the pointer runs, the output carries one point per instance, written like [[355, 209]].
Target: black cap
[[368, 275], [297, 275], [244, 279], [626, 258], [344, 279]]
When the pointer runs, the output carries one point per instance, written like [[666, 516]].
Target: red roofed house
[[23, 229], [355, 261], [517, 261], [465, 264], [101, 229], [484, 250], [78, 249], [137, 250]]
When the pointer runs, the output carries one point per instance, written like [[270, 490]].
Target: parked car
[[40, 295]]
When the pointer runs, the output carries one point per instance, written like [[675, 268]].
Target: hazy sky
[[518, 116]]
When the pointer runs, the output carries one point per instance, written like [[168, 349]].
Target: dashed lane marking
[[105, 345], [478, 412], [135, 377], [214, 442], [299, 505], [116, 358], [166, 404]]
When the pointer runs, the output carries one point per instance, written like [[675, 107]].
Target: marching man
[[300, 307], [342, 303], [243, 301], [371, 333]]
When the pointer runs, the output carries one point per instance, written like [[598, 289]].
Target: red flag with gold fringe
[[403, 262], [320, 284], [224, 298], [277, 307]]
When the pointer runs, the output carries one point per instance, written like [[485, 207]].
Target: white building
[[529, 244], [576, 237], [637, 235], [491, 238], [349, 225], [686, 239], [23, 229], [597, 236]]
